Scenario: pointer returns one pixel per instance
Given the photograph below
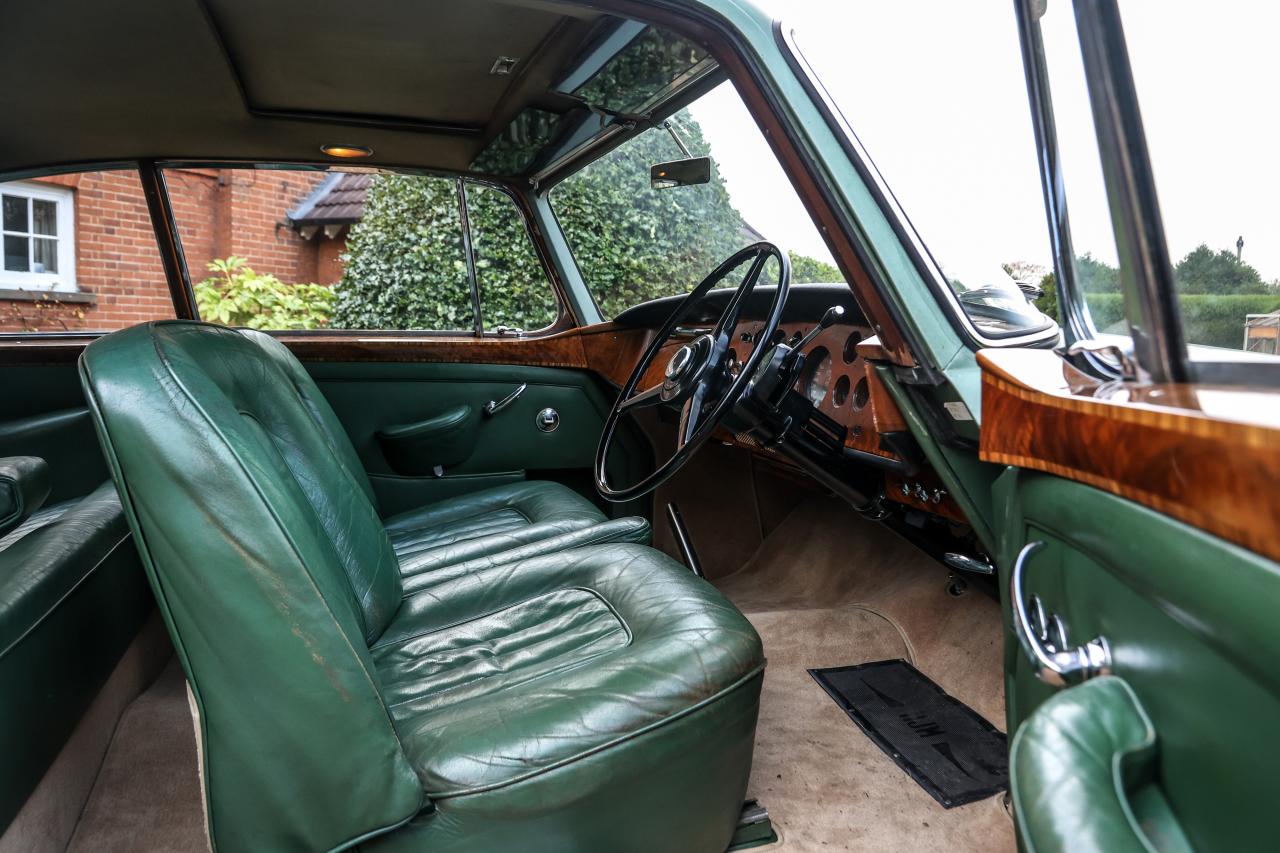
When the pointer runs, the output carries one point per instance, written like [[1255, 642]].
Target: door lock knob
[[547, 419]]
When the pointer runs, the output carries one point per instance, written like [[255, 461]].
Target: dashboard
[[839, 378]]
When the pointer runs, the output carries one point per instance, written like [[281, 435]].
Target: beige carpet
[[829, 589], [147, 797]]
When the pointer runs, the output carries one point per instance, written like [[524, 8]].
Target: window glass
[[1092, 235], [1211, 133], [31, 241], [937, 99], [634, 243], [403, 265], [79, 254], [514, 290], [273, 248]]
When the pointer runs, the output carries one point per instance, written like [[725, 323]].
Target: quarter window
[[37, 222]]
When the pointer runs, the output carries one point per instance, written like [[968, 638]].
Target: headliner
[[228, 80]]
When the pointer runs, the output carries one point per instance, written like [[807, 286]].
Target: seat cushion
[[514, 517], [555, 689]]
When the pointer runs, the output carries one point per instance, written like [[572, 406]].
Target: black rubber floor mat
[[942, 743]]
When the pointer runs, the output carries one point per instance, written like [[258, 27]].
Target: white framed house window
[[37, 228]]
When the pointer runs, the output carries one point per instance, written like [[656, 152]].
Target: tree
[[1206, 271], [1095, 276], [807, 270], [634, 243], [1047, 304]]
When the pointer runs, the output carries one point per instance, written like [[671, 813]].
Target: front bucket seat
[[599, 699]]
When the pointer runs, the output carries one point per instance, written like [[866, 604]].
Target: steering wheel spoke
[[733, 311], [644, 399], [690, 418]]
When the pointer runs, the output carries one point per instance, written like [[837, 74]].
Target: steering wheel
[[699, 376]]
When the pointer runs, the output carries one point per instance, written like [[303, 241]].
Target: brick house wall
[[225, 212]]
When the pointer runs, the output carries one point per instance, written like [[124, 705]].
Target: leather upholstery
[[24, 486], [485, 523], [71, 599], [481, 524], [439, 442], [632, 530], [273, 573], [501, 679], [1082, 775], [511, 705]]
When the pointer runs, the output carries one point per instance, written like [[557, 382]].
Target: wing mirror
[[680, 173]]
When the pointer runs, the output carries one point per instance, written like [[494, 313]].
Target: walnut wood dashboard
[[837, 378]]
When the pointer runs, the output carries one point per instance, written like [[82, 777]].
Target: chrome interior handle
[[1044, 639], [494, 406]]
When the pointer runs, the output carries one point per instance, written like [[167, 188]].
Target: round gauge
[[815, 380]]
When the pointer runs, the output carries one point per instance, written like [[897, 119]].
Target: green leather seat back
[[274, 574], [317, 406]]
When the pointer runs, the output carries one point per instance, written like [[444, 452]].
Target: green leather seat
[[598, 699], [524, 519], [71, 598]]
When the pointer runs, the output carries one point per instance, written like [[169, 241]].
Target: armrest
[[439, 442], [24, 485], [1082, 775]]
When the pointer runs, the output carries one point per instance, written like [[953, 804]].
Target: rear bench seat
[[72, 597]]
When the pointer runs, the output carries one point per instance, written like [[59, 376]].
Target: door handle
[[1044, 640], [492, 407]]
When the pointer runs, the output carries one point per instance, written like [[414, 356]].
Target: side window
[[1096, 265], [514, 290], [1210, 176], [79, 254], [273, 248]]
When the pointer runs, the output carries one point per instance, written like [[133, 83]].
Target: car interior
[[601, 585]]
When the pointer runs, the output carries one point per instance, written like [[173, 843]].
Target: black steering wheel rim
[[705, 362]]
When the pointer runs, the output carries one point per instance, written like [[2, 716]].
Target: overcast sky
[[934, 89]]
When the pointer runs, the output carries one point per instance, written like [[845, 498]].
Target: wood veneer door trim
[[560, 349], [1213, 467]]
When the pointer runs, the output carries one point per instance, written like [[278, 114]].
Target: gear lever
[[834, 315]]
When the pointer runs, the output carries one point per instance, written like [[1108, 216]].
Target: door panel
[[1148, 543], [42, 413], [1191, 622], [372, 397]]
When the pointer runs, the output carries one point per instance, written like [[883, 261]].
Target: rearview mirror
[[680, 173]]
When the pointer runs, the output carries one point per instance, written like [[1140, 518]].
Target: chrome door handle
[[1044, 640], [494, 406]]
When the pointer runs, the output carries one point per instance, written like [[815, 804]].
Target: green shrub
[[238, 296], [1209, 319]]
